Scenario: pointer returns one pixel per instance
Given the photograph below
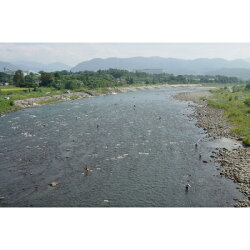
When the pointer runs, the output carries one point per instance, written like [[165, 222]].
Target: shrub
[[74, 84], [246, 140], [203, 98], [36, 89], [248, 86], [247, 102], [235, 89]]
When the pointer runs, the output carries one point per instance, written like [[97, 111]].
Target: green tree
[[57, 75], [247, 102], [30, 81], [73, 84], [181, 79], [47, 79], [18, 79], [117, 73], [129, 80], [58, 84], [4, 77]]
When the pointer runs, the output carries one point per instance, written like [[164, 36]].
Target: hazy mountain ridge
[[202, 66], [7, 66], [33, 66], [169, 65]]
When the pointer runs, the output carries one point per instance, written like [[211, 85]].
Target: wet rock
[[243, 203], [54, 184]]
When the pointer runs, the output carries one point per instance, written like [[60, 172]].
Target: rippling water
[[140, 146]]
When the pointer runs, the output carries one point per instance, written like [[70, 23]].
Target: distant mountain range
[[7, 66], [171, 65], [33, 66], [203, 66]]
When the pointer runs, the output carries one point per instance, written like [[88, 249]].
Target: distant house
[[4, 84], [33, 72]]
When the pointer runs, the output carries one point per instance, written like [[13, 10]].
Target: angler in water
[[187, 187]]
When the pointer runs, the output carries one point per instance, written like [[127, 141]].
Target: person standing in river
[[187, 187]]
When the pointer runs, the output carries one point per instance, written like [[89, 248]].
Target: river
[[140, 147]]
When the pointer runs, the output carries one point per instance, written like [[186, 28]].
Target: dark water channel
[[141, 156]]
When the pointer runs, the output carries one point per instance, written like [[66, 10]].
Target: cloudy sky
[[73, 53]]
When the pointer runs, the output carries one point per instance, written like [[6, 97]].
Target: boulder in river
[[54, 183]]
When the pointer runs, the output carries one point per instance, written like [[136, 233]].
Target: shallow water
[[223, 142], [140, 156]]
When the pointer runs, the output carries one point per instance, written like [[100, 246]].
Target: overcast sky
[[73, 53]]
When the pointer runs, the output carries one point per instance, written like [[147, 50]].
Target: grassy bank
[[236, 103], [23, 93], [15, 93], [7, 106]]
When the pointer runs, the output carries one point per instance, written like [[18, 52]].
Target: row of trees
[[31, 80], [5, 77], [107, 78]]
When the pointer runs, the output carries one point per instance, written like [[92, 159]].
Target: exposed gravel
[[34, 102], [235, 164]]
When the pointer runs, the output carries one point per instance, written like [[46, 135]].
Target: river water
[[139, 145]]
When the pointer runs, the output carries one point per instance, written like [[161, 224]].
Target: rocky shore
[[39, 101], [68, 95], [235, 164]]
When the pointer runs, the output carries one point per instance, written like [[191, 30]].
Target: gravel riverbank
[[235, 163]]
